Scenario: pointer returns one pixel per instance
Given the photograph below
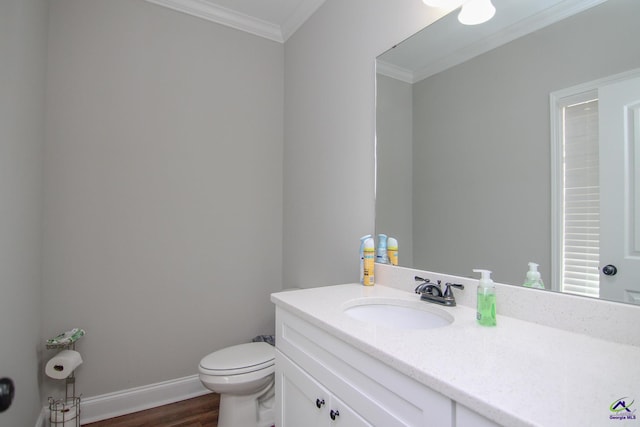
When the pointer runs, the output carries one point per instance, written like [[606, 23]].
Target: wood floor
[[197, 412]]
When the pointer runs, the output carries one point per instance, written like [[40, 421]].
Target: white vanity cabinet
[[465, 417], [461, 375], [313, 366], [323, 381]]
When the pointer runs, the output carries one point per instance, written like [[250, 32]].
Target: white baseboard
[[42, 419], [124, 402]]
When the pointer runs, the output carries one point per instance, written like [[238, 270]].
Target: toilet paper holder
[[65, 412]]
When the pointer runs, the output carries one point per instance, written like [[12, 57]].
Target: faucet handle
[[447, 289], [420, 288], [429, 288]]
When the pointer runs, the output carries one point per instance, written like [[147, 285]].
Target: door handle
[[7, 390], [609, 270]]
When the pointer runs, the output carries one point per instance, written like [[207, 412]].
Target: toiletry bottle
[[362, 240], [486, 314], [381, 255], [533, 277], [369, 262], [392, 250]]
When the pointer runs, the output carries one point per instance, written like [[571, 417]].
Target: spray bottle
[[392, 250], [381, 255], [362, 240], [369, 262]]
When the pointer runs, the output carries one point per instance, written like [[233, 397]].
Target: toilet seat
[[238, 359]]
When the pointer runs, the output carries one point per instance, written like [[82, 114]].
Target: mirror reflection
[[470, 149]]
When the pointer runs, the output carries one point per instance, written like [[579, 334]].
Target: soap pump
[[533, 277], [486, 304]]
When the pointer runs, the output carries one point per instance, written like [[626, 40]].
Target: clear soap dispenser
[[486, 304], [533, 277]]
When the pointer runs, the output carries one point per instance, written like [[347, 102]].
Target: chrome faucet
[[432, 292]]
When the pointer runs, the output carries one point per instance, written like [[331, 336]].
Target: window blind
[[581, 199]]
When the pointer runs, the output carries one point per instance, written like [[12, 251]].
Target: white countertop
[[516, 374]]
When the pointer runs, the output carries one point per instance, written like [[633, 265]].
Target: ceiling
[[272, 19]]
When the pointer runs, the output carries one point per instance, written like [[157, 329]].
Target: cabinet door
[[302, 401], [342, 415], [465, 417], [305, 402]]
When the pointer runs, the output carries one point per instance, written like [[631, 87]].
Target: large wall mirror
[[465, 174]]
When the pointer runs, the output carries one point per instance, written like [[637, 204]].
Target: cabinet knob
[[319, 403], [333, 414]]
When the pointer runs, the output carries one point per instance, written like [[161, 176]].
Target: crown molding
[[395, 72], [211, 12], [220, 15], [545, 17], [452, 54]]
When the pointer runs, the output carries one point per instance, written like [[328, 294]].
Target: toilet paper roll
[[62, 364]]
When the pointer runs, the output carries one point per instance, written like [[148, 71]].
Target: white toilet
[[243, 375]]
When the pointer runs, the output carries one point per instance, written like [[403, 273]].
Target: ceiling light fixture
[[476, 12], [443, 4]]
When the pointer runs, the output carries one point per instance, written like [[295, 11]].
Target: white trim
[[42, 419], [212, 12], [556, 195], [136, 399], [595, 84], [220, 15], [395, 72]]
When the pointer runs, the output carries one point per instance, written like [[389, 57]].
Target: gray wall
[[394, 170], [329, 133], [482, 151], [23, 26], [163, 194], [163, 167]]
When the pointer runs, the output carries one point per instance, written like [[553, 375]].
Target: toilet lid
[[239, 359]]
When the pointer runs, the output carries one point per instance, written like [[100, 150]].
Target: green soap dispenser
[[533, 277], [486, 314]]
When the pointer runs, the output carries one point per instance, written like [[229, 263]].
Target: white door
[[619, 106]]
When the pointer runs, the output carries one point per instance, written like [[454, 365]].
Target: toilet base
[[253, 410]]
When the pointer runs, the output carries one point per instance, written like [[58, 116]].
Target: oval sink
[[396, 316]]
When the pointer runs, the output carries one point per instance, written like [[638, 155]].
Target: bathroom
[[165, 175]]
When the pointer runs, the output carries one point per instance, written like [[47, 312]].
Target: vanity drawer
[[372, 389]]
